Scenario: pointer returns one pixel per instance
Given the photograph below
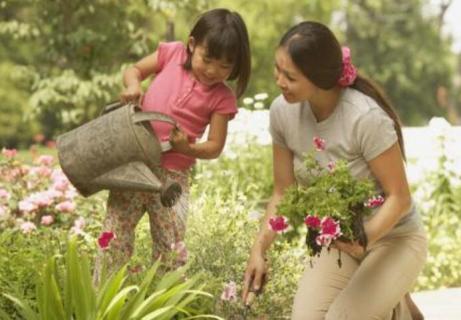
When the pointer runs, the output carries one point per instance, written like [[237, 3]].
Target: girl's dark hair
[[225, 35], [315, 50]]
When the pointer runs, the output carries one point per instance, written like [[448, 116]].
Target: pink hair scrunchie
[[349, 71]]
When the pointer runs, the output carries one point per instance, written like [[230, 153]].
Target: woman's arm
[[209, 149], [388, 168], [283, 178]]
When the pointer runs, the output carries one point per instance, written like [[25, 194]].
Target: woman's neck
[[324, 103]]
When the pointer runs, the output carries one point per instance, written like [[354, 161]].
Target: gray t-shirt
[[357, 131]]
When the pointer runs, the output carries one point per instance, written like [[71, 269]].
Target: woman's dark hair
[[225, 35], [315, 50]]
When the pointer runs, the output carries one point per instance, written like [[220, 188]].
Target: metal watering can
[[116, 151]]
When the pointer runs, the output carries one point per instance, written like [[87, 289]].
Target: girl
[[323, 96], [189, 85]]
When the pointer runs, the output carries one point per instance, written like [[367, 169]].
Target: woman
[[323, 96]]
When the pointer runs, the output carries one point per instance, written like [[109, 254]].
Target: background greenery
[[61, 60]]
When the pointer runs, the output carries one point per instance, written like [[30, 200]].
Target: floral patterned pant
[[126, 208]]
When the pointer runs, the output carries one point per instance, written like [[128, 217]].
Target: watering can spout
[[133, 175]]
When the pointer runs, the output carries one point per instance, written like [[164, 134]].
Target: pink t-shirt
[[175, 92]]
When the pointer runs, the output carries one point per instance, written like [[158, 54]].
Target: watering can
[[117, 151]]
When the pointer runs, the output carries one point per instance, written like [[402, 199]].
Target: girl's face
[[294, 85], [207, 70]]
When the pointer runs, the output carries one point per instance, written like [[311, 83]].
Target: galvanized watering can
[[116, 151]]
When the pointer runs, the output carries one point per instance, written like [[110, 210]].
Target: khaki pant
[[360, 290]]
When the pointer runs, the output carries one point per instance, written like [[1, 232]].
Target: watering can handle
[[152, 116]]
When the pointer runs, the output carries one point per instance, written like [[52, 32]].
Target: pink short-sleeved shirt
[[175, 92]]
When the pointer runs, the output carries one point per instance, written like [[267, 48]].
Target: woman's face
[[294, 85]]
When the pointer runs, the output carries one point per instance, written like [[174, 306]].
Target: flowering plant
[[331, 207]]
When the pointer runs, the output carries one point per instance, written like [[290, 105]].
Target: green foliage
[[227, 204], [78, 299], [441, 212], [379, 32]]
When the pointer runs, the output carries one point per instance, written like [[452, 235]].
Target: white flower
[[261, 96], [248, 101], [259, 105]]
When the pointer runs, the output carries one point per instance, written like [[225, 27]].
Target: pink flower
[[331, 166], [79, 224], [278, 224], [4, 194], [349, 71], [324, 240], [27, 227], [45, 160], [9, 153], [47, 220], [65, 206], [181, 250], [312, 221], [2, 212], [105, 238], [319, 143], [41, 171], [230, 292], [374, 202], [27, 205], [39, 138], [330, 227]]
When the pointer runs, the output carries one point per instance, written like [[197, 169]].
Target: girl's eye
[[206, 60]]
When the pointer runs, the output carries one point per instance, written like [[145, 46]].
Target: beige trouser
[[372, 288]]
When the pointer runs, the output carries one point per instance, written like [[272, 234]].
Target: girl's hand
[[353, 248], [131, 93], [255, 276], [179, 141]]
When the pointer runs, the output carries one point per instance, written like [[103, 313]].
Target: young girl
[[323, 96], [188, 85]]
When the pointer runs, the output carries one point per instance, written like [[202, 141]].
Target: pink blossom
[[41, 171], [9, 153], [278, 224], [45, 160], [4, 194], [331, 166], [47, 220], [330, 227], [324, 240], [312, 221], [79, 224], [60, 184], [27, 205], [180, 249], [51, 144], [105, 239], [230, 292], [319, 143], [374, 202], [27, 227], [65, 206], [349, 71], [2, 211]]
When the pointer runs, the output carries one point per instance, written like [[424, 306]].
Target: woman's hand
[[179, 141], [131, 93], [353, 248], [255, 277]]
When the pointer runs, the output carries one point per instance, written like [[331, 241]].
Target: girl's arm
[[388, 168], [134, 75], [209, 149], [283, 178]]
